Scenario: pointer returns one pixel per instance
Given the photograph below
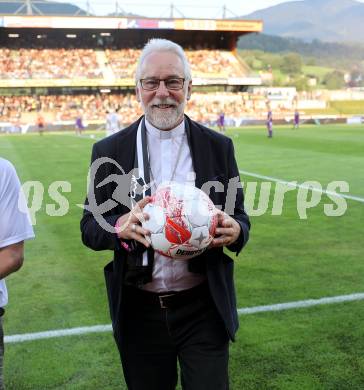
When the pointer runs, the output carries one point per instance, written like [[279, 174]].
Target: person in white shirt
[[112, 122], [15, 228], [165, 310]]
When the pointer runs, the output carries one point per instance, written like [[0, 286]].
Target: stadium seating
[[78, 63], [214, 63], [123, 61], [204, 107], [48, 64], [102, 64]]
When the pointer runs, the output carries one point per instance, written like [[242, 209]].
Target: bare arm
[[11, 258]]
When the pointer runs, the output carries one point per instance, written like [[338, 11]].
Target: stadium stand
[[61, 72], [48, 64], [205, 107], [88, 63], [216, 63], [122, 62]]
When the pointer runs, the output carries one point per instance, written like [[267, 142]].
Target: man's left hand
[[227, 230]]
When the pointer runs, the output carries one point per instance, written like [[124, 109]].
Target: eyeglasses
[[172, 84]]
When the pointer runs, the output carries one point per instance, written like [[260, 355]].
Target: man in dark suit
[[164, 310]]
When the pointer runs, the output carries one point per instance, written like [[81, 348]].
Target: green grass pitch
[[287, 259]]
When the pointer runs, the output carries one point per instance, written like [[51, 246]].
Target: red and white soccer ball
[[182, 221]]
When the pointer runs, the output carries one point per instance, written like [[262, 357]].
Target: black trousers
[[155, 338]]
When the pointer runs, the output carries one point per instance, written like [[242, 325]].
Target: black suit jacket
[[213, 160]]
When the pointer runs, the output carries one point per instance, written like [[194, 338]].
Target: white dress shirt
[[164, 147]]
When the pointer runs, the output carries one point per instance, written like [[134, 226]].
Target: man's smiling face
[[163, 107]]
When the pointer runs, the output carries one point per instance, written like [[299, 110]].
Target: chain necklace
[[175, 164]]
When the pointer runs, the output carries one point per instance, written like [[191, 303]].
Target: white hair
[[163, 45]]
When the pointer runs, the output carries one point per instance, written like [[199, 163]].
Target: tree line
[[287, 56]]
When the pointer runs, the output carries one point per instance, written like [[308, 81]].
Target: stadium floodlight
[[72, 36], [224, 9], [30, 7], [174, 8], [47, 7], [13, 35]]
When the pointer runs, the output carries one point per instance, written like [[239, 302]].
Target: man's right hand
[[128, 226]]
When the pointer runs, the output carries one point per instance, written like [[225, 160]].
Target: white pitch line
[[296, 185], [300, 304], [18, 338]]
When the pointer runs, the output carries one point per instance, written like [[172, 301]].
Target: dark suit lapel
[[200, 153], [122, 151], [125, 147]]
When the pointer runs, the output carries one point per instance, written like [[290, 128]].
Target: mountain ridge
[[327, 20]]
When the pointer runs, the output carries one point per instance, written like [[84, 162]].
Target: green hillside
[[294, 61]]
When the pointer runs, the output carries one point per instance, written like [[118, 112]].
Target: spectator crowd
[[48, 64], [101, 62], [204, 107], [61, 63]]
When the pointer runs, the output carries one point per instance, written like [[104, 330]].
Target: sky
[[189, 9]]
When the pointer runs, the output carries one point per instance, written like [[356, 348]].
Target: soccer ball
[[182, 221]]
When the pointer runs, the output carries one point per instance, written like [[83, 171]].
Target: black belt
[[168, 299]]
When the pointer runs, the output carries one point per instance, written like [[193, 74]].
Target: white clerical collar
[[165, 134]]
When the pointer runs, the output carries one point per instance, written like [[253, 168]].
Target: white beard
[[164, 120]]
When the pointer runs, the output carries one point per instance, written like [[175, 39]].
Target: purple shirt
[[79, 123], [296, 118]]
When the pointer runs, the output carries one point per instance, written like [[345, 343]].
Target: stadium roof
[[94, 22]]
